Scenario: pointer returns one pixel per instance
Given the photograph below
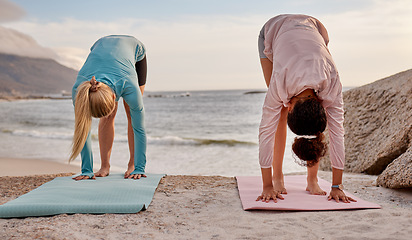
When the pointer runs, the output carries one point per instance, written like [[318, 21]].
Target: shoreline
[[10, 98], [18, 167], [208, 207]]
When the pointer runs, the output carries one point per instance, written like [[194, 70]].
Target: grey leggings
[[261, 44]]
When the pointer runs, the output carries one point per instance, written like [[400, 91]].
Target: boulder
[[378, 126], [398, 174]]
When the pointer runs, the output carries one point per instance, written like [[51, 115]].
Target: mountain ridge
[[21, 76]]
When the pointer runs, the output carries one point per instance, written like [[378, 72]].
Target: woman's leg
[[130, 139], [313, 186], [278, 153], [106, 138]]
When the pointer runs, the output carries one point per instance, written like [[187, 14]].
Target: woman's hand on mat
[[130, 169], [83, 177], [269, 193], [338, 194], [135, 176]]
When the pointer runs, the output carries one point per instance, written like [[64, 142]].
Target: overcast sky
[[203, 45]]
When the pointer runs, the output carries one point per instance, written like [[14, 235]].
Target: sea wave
[[39, 134], [185, 94], [175, 140], [162, 140], [45, 135]]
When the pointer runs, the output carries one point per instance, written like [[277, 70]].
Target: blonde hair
[[93, 99]]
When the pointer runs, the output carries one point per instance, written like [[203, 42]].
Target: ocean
[[188, 133]]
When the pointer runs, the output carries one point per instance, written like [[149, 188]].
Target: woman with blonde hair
[[116, 67]]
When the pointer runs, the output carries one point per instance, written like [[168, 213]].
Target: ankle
[[105, 166], [277, 177], [312, 179]]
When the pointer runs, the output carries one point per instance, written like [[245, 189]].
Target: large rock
[[378, 126], [398, 173]]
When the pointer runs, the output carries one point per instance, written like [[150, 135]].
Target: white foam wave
[[39, 134], [170, 140], [153, 140]]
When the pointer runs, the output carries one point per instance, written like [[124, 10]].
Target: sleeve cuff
[[90, 175], [137, 172], [340, 168]]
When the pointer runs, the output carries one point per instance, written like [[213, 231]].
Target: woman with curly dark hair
[[305, 93]]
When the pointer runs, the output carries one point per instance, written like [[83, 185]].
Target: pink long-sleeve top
[[297, 46]]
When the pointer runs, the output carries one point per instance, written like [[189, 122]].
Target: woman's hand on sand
[[135, 176], [338, 194], [83, 177], [269, 193]]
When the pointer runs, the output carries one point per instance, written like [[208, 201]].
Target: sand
[[208, 207], [27, 167]]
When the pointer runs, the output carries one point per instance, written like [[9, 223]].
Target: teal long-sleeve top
[[112, 61]]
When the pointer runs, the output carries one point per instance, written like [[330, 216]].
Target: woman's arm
[[267, 130], [87, 160], [335, 118], [269, 191], [336, 193], [86, 153], [133, 98]]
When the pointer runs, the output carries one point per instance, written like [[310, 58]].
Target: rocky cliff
[[378, 130]]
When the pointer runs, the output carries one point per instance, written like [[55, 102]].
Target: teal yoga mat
[[112, 194]]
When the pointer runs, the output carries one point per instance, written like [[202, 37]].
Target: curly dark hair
[[309, 151], [308, 117]]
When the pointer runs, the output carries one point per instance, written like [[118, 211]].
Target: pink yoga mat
[[297, 199]]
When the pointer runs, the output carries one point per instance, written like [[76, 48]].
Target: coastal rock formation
[[398, 174], [378, 130]]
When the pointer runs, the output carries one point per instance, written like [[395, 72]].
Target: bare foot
[[103, 172], [279, 186], [130, 169], [314, 189]]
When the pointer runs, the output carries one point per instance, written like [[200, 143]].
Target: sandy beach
[[26, 167], [205, 207]]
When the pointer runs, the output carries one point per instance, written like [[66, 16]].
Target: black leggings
[[141, 70]]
